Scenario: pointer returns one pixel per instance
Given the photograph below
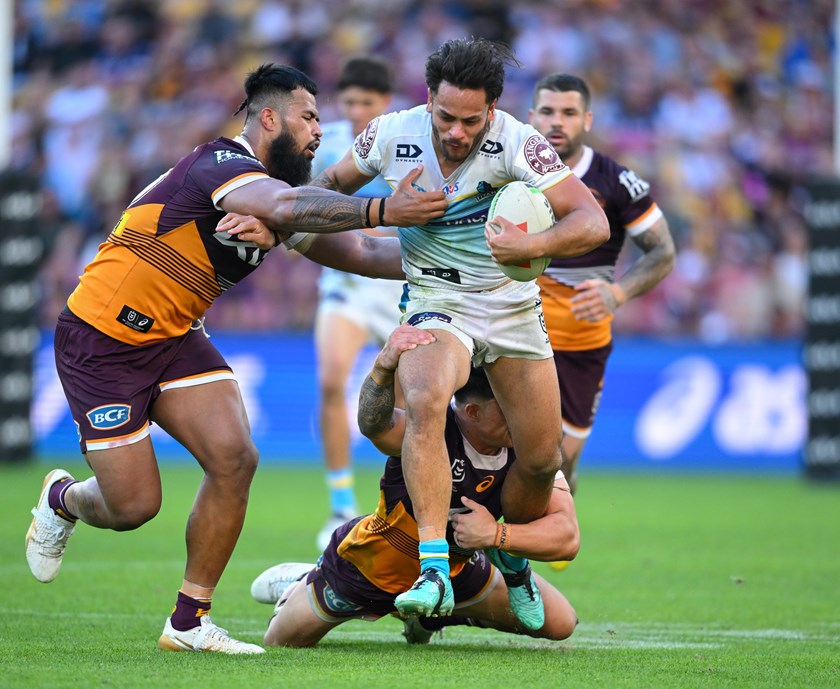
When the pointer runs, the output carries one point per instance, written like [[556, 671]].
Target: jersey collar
[[585, 161], [242, 141]]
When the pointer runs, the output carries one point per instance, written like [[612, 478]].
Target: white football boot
[[48, 533], [205, 638], [269, 586]]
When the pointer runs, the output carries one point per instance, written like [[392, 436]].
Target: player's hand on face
[[249, 229], [508, 244], [475, 529], [404, 338], [594, 301], [409, 206]]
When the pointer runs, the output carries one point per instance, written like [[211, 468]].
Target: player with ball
[[458, 291]]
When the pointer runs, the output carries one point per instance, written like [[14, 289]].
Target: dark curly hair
[[474, 63]]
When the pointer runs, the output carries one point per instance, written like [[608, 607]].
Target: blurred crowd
[[725, 108]]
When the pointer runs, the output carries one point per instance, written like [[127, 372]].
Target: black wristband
[[382, 212], [367, 212]]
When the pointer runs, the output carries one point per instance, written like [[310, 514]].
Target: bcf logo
[[109, 416]]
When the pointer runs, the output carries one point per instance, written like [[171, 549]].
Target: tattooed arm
[[654, 265], [378, 418], [352, 252], [312, 209], [597, 299], [342, 176]]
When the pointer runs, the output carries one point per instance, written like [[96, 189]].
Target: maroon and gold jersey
[[626, 201], [384, 546], [164, 264]]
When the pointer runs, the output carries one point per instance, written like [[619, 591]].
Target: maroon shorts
[[581, 376], [111, 386], [339, 591]]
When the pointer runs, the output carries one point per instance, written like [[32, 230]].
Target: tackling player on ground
[[371, 559]]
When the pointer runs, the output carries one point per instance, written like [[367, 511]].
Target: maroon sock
[[188, 612], [56, 498]]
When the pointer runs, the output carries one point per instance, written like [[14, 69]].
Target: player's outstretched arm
[[352, 252], [345, 177], [379, 420], [342, 176], [357, 252], [554, 536], [285, 208], [312, 209]]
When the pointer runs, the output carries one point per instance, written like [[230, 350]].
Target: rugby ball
[[526, 207]]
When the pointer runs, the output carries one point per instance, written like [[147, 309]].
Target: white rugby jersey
[[337, 139], [451, 251]]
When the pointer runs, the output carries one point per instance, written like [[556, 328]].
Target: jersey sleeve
[[634, 206], [367, 150], [221, 170], [535, 161]]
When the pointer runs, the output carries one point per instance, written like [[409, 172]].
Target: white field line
[[255, 566], [618, 636]]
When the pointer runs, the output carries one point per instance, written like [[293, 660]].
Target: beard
[[571, 147], [284, 163], [463, 153]]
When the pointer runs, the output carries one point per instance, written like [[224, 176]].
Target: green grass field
[[682, 581]]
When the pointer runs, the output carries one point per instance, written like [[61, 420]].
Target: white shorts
[[506, 321], [373, 305]]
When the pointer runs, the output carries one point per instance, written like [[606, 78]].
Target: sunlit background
[[726, 108]]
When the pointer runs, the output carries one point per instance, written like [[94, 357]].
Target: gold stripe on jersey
[[645, 220], [170, 262], [168, 278], [398, 539], [564, 331], [385, 549]]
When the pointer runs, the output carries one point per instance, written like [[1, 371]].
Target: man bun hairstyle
[[474, 63], [561, 82], [367, 73], [269, 82]]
